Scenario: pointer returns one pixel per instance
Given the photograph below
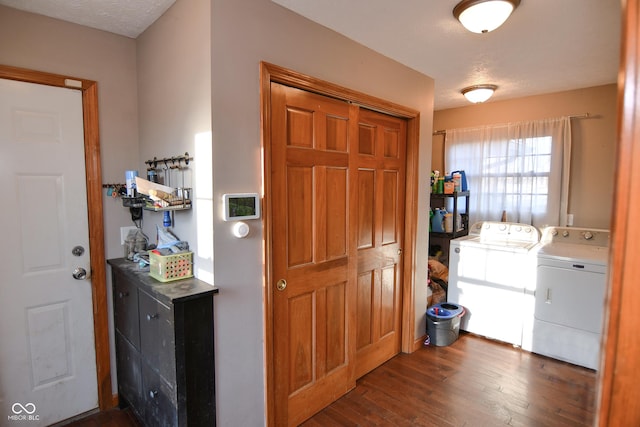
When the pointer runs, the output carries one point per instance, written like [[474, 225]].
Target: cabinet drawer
[[160, 408], [125, 301], [129, 374], [157, 341]]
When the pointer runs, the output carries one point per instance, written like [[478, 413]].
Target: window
[[519, 168]]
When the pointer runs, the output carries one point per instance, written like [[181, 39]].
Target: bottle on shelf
[[457, 182], [437, 222], [166, 220]]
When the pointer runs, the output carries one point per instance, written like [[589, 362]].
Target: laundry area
[[539, 290], [529, 262]]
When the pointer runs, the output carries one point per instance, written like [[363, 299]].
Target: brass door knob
[[281, 285]]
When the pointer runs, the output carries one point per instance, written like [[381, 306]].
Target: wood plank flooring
[[111, 418], [472, 383]]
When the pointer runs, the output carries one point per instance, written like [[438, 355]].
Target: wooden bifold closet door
[[337, 192]]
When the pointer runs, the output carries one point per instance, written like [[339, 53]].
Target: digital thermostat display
[[241, 206]]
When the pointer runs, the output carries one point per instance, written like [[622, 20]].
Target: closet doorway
[[336, 302]]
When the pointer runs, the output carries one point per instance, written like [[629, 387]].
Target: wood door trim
[[618, 389], [273, 73], [93, 172]]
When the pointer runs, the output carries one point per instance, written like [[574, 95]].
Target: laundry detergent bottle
[[437, 222]]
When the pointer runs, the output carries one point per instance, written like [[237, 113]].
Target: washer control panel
[[493, 231]]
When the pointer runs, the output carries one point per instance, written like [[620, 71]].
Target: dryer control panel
[[575, 236]]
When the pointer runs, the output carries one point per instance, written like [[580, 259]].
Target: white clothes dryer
[[569, 295]]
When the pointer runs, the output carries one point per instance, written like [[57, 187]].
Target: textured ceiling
[[546, 45], [125, 17]]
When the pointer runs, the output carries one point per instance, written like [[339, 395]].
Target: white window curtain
[[519, 168]]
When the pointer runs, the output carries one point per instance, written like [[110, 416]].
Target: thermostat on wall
[[241, 206]]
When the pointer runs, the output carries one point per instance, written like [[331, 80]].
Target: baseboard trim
[[417, 344]]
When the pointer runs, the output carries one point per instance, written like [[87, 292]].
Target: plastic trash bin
[[443, 323]]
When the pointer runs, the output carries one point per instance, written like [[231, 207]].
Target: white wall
[[243, 34], [45, 44], [171, 85], [50, 45], [174, 99]]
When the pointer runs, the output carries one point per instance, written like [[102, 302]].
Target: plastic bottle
[[440, 189], [130, 182], [437, 222], [457, 182], [129, 247], [166, 221], [140, 243]]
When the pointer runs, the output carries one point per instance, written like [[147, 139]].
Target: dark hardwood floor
[[473, 382], [111, 418]]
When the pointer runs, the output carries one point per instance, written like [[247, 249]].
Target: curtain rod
[[577, 116], [580, 116]]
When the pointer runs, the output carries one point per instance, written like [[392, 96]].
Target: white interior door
[[47, 354]]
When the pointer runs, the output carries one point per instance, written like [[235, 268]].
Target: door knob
[[281, 284], [79, 273]]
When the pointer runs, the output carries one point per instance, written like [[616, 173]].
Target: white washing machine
[[489, 272], [569, 295]]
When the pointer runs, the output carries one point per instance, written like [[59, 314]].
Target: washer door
[[571, 295]]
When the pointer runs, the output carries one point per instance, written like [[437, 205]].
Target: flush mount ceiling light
[[478, 93], [482, 16]]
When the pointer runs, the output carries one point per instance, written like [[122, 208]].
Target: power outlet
[[124, 232]]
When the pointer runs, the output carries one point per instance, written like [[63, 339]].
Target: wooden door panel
[[311, 244], [388, 298], [366, 139], [309, 359], [391, 143], [335, 212], [332, 306], [299, 127], [390, 183], [300, 340], [364, 309], [381, 180], [299, 215], [366, 211], [337, 133]]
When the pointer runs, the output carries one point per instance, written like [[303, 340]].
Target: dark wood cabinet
[[164, 347]]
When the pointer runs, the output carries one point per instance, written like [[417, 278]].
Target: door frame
[[93, 172], [273, 73], [618, 377]]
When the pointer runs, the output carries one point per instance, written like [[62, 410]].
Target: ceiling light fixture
[[482, 16], [478, 93]]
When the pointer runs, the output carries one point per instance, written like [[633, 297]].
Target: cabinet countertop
[[166, 292]]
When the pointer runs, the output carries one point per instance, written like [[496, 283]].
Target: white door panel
[[47, 359]]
